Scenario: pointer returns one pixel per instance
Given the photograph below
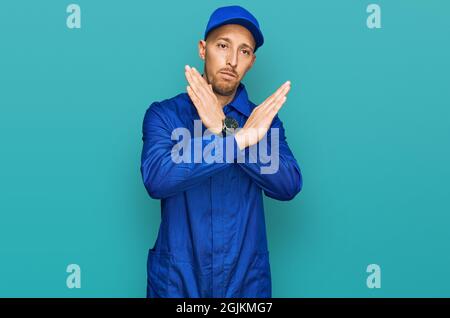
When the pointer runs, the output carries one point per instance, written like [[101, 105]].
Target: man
[[212, 238]]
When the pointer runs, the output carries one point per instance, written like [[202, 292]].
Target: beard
[[220, 86], [224, 88]]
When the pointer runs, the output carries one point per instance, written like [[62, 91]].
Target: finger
[[283, 90], [196, 85], [282, 94], [192, 73], [271, 105], [275, 101], [276, 108], [198, 76], [202, 85], [278, 92], [192, 95], [188, 75]]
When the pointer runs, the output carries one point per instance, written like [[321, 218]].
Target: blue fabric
[[212, 238], [236, 15]]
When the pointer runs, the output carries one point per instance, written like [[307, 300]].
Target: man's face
[[228, 55]]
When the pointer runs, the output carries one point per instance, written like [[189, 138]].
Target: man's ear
[[202, 49], [253, 61]]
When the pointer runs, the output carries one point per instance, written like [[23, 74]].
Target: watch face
[[231, 123]]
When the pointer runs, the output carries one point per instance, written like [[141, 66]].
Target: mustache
[[228, 70]]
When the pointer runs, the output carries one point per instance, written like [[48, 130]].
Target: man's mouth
[[228, 74]]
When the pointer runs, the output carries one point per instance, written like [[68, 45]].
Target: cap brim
[[257, 35]]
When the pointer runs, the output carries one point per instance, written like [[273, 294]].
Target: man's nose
[[232, 59]]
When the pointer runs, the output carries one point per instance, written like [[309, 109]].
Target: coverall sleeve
[[283, 183], [164, 177]]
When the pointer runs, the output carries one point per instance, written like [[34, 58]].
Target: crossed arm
[[163, 177]]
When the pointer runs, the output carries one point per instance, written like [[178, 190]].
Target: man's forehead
[[234, 32]]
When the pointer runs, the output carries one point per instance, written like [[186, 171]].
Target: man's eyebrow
[[248, 46], [224, 39], [229, 41]]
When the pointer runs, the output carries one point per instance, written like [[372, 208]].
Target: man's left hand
[[205, 101]]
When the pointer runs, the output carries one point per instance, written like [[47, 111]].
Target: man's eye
[[222, 46], [247, 52]]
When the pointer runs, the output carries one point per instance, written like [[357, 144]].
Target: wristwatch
[[229, 125]]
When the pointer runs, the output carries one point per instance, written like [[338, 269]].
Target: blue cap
[[235, 15]]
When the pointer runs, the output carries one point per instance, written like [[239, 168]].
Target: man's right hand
[[261, 118]]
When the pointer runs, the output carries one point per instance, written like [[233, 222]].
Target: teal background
[[367, 118]]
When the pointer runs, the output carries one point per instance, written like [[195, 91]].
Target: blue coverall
[[212, 237]]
